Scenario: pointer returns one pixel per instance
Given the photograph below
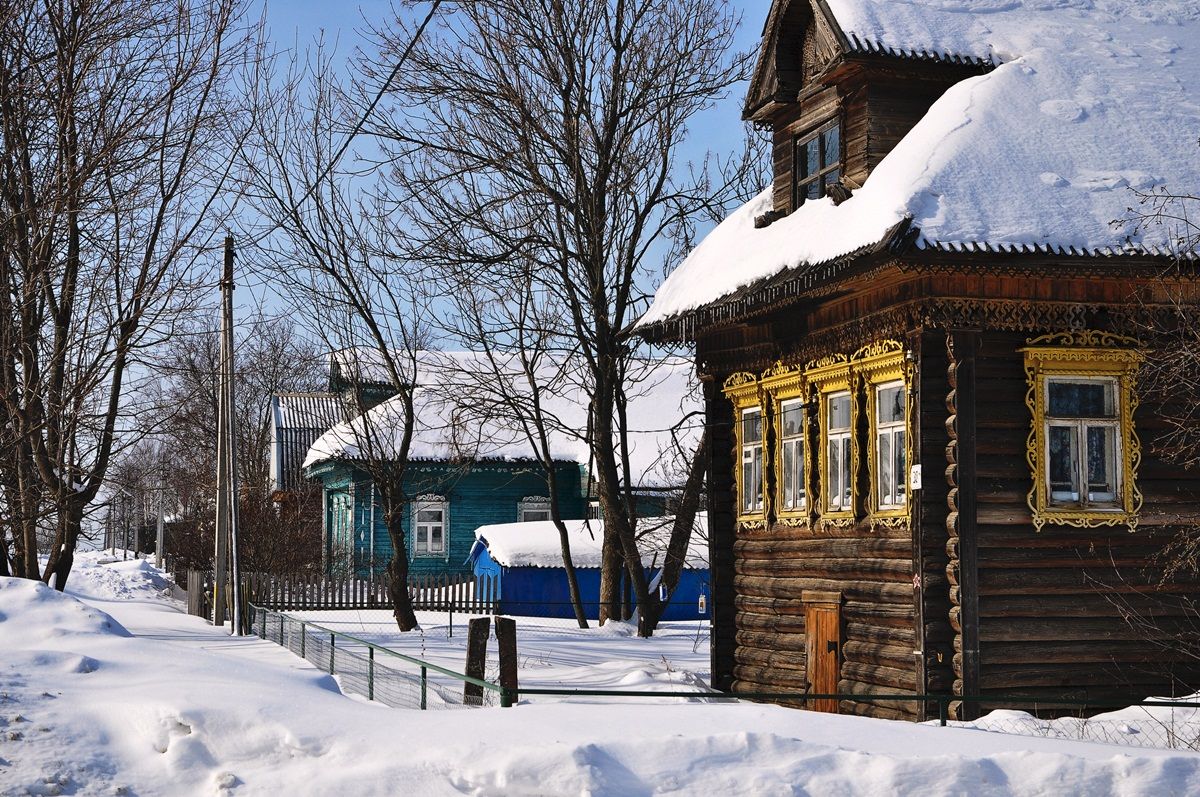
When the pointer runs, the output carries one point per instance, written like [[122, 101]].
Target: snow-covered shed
[[932, 469], [525, 560]]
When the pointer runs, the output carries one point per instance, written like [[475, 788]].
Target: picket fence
[[429, 591]]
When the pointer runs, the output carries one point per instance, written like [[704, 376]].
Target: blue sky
[[295, 23]]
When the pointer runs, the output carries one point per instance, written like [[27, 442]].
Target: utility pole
[[225, 560], [162, 485]]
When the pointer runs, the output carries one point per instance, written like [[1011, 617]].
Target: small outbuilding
[[525, 561]]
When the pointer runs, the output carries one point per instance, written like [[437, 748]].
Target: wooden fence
[[430, 592]]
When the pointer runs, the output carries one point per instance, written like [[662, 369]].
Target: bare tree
[[118, 123], [539, 141], [333, 257]]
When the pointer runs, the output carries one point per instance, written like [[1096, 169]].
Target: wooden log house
[[932, 470]]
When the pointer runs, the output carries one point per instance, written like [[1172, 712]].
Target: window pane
[[531, 515], [889, 404], [835, 472], [801, 490], [747, 481], [1064, 463], [1081, 399], [832, 146], [811, 190], [429, 515], [812, 157], [751, 427], [885, 468], [839, 412], [789, 474], [901, 470], [792, 421], [758, 478], [435, 538], [845, 472], [1101, 465], [831, 178]]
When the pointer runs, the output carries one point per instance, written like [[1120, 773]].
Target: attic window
[[818, 163]]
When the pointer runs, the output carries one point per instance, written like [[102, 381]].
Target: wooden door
[[823, 632]]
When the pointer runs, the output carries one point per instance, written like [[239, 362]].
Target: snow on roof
[[456, 421], [1094, 100], [536, 543]]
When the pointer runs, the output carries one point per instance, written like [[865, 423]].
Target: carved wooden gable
[[799, 43]]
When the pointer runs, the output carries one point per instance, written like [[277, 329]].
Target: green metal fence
[[372, 671]]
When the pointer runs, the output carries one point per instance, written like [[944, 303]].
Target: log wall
[[1050, 604]]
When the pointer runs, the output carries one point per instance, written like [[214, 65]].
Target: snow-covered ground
[[551, 653], [119, 692]]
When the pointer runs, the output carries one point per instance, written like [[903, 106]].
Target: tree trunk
[[62, 554], [681, 535], [397, 570], [610, 577]]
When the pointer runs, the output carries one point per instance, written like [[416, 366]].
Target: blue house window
[[534, 508], [340, 524], [429, 526]]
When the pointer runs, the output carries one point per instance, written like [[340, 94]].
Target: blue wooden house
[[525, 561], [467, 467]]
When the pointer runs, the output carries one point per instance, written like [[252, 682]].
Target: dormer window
[[818, 163]]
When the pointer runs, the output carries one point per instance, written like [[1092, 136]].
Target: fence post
[[506, 642], [371, 673], [478, 630], [450, 633], [332, 646], [424, 681], [943, 707], [262, 627], [303, 634], [281, 630]]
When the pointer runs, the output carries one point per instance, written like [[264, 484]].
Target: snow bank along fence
[[443, 592], [373, 671]]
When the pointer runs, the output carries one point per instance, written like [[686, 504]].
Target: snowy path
[[172, 707]]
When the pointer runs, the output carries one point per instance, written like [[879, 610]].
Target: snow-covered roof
[[457, 419], [536, 543], [297, 420], [1092, 101]]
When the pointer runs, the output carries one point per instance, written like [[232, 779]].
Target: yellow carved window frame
[[744, 392], [880, 364], [829, 377], [1083, 355], [781, 385]]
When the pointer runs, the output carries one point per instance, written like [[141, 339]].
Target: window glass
[[792, 454], [839, 412], [832, 148], [429, 533], [1101, 466], [889, 404], [752, 461], [751, 427], [840, 487], [812, 157], [817, 164], [1064, 463], [1081, 399]]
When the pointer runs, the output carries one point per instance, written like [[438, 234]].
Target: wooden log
[[879, 570], [777, 659], [820, 547], [771, 679], [889, 678], [792, 588]]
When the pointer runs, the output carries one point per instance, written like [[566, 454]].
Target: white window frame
[[1080, 424], [898, 498], [797, 442], [843, 437], [423, 547], [753, 453], [534, 504]]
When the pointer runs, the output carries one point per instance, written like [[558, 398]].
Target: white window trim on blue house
[[533, 508], [422, 531]]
